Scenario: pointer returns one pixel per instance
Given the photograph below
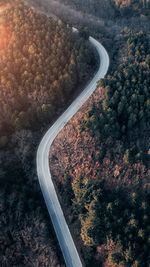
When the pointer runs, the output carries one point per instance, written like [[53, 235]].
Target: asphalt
[[63, 234]]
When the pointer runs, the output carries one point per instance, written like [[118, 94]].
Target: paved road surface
[[64, 237]]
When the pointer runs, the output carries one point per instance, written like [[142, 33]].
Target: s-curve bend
[[63, 234]]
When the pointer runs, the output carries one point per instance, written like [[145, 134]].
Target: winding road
[[64, 237]]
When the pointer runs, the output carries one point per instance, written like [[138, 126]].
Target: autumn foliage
[[104, 153], [41, 64]]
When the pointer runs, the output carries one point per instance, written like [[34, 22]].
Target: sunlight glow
[[4, 31], [4, 36]]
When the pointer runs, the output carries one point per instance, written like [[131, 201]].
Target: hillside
[[43, 65], [110, 9], [100, 164], [104, 8]]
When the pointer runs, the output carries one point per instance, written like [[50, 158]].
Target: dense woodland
[[100, 163], [126, 103], [42, 64], [110, 8], [104, 8], [105, 156]]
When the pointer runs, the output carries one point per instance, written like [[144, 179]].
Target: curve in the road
[[64, 237]]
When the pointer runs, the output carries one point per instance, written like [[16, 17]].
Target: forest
[[101, 160], [102, 165], [43, 66], [110, 8], [126, 103]]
